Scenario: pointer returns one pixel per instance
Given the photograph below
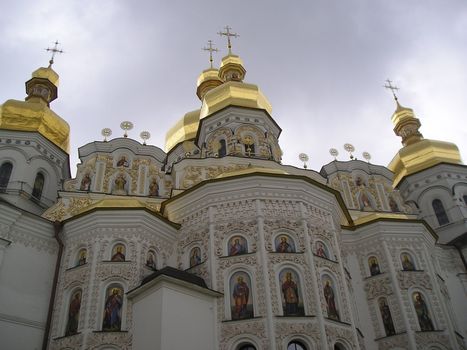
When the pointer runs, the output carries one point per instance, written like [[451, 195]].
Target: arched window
[[339, 346], [385, 313], [151, 260], [81, 257], [237, 245], [247, 347], [38, 186], [73, 313], [464, 197], [195, 256], [5, 173], [407, 262], [284, 244], [241, 301], [422, 311], [374, 266], [222, 148], [330, 296], [292, 295], [322, 250], [296, 345], [112, 320], [440, 212], [118, 252]]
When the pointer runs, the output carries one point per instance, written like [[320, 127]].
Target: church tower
[[35, 145]]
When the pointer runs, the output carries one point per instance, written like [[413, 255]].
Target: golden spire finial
[[391, 87], [54, 50], [211, 50], [228, 34]]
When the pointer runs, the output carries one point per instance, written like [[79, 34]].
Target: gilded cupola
[[418, 153], [34, 114]]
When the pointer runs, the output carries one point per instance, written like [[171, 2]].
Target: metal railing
[[25, 190]]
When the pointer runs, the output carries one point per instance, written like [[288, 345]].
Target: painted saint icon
[[151, 260], [292, 302], [322, 250], [407, 262], [423, 315], [118, 253], [284, 244], [238, 245], [329, 296], [374, 266], [195, 256], [113, 309], [82, 255], [85, 183], [154, 188], [240, 301], [123, 162], [73, 313], [386, 316]]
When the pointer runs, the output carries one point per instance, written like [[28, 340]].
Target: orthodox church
[[215, 244]]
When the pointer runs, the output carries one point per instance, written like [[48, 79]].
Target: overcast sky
[[321, 63]]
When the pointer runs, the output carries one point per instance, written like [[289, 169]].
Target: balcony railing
[[24, 190]]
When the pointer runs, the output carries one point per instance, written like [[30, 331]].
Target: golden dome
[[184, 129], [232, 68], [234, 93], [34, 114], [46, 73], [417, 154], [207, 80]]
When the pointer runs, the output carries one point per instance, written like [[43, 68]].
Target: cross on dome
[[228, 34], [391, 87], [54, 51], [211, 50]]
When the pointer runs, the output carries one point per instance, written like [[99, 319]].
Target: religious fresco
[[151, 261], [195, 256], [82, 256], [291, 290], [284, 244], [321, 250], [423, 314], [153, 188], [386, 317], [112, 320], [407, 262], [330, 297], [73, 313], [118, 253], [241, 301], [119, 184], [85, 183], [237, 245], [393, 205], [123, 162], [373, 266]]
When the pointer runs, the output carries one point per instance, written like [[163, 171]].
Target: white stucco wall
[[172, 317]]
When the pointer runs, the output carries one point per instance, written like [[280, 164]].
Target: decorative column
[[264, 265], [309, 257]]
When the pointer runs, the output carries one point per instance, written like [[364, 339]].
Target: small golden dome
[[417, 154], [34, 114], [234, 93], [232, 69], [184, 129], [46, 73], [207, 80]]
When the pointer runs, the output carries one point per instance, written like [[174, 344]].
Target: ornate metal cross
[[211, 50], [228, 34], [391, 87], [54, 51]]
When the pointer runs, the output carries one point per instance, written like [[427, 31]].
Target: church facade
[[215, 244]]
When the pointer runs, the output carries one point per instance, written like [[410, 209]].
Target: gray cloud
[[322, 65]]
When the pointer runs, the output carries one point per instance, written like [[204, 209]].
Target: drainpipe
[[58, 226]]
